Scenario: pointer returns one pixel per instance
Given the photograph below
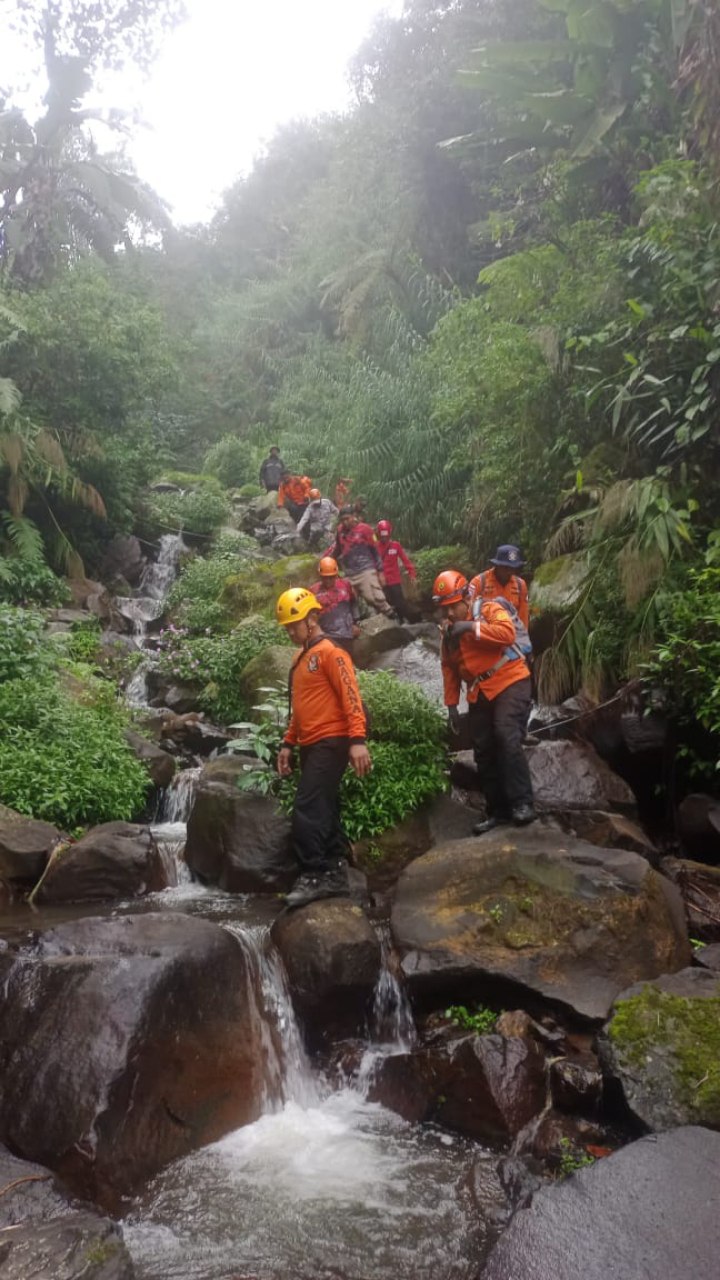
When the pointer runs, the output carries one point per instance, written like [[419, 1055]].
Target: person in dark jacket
[[339, 606], [356, 550], [271, 471]]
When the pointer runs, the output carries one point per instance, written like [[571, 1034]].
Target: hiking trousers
[[498, 730], [367, 585], [318, 839], [395, 597]]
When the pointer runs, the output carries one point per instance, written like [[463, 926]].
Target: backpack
[[522, 642], [521, 646]]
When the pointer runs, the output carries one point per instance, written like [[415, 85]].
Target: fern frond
[[23, 535], [10, 397]]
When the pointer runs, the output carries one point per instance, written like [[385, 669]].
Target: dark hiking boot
[[523, 815], [490, 823], [311, 888]]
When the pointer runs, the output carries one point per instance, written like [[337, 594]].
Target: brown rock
[[332, 957], [25, 846], [571, 775], [114, 860], [699, 885], [491, 1086], [160, 764], [559, 917], [698, 823], [237, 839], [124, 1044], [79, 1246], [610, 831]]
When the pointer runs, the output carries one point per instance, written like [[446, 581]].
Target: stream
[[326, 1185]]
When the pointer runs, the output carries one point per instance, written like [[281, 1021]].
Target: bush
[[400, 712], [24, 581], [196, 598], [66, 761], [215, 663], [191, 480], [231, 461], [199, 512], [24, 652], [251, 491], [431, 561]]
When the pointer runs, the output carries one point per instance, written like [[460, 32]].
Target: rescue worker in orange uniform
[[482, 654], [503, 580], [327, 725], [294, 494]]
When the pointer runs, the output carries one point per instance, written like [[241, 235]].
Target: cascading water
[[144, 608], [178, 799], [325, 1185]]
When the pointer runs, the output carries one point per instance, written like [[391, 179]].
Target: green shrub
[[197, 598], [231, 461], [215, 662], [191, 480], [27, 582], [199, 511], [66, 761], [479, 1019], [400, 712], [251, 491], [24, 650], [431, 561]]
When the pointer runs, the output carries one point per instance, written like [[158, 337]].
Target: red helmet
[[328, 567], [450, 587], [383, 526]]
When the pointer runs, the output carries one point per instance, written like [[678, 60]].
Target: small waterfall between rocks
[[147, 606]]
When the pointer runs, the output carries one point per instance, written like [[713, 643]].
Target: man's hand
[[360, 759], [454, 720], [284, 762], [456, 629], [381, 576], [356, 631]]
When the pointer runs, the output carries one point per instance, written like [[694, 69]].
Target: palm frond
[[23, 535], [10, 397]]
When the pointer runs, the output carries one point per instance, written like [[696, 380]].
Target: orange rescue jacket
[[325, 699], [469, 656], [296, 488], [515, 591]]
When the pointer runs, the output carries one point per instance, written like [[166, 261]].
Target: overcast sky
[[225, 80]]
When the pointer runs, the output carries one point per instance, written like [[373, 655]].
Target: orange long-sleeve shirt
[[326, 701], [471, 655], [487, 586], [296, 488]]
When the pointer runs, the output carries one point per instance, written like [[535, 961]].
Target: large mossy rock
[[270, 669], [124, 1044], [648, 1212], [25, 846], [663, 1044], [237, 839], [379, 634], [564, 920], [332, 957], [557, 583], [114, 860]]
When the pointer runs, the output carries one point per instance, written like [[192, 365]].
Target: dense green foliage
[[62, 752], [214, 663]]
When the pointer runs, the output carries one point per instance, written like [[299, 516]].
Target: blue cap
[[508, 557]]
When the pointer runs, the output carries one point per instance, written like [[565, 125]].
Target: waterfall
[[288, 1074], [144, 608], [393, 1027], [160, 574], [179, 798]]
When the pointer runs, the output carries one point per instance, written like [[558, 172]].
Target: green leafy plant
[[215, 663], [199, 511], [478, 1019], [571, 1159], [24, 652], [29, 581], [430, 561], [231, 461]]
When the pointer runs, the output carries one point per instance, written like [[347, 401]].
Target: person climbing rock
[[339, 606], [485, 656], [355, 548], [316, 524], [327, 725], [271, 470], [503, 580], [294, 494], [393, 554]]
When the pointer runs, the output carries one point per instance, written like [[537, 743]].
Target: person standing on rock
[[316, 524], [271, 470], [327, 725], [393, 554], [356, 550], [339, 605], [482, 653], [503, 580]]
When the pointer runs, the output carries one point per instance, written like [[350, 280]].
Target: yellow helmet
[[294, 605]]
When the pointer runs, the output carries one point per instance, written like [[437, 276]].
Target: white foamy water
[[179, 798]]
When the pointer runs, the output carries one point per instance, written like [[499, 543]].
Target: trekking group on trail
[[485, 648]]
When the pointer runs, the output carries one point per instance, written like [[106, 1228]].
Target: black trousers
[[318, 838], [296, 509], [395, 597], [498, 729]]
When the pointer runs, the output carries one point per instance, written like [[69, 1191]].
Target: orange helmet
[[314, 495], [449, 587], [328, 567]]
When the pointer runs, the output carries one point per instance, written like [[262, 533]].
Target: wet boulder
[[237, 839], [78, 1246], [174, 695], [610, 831], [270, 669], [160, 764], [554, 916], [332, 957], [663, 1045], [699, 885], [114, 860], [123, 559], [125, 1043], [490, 1086], [570, 775], [378, 634], [646, 1211], [25, 846], [698, 823]]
